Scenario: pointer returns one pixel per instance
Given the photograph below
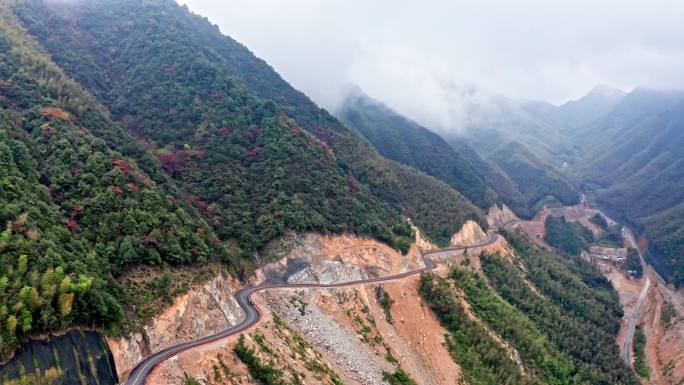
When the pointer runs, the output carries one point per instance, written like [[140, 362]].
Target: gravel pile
[[361, 363]]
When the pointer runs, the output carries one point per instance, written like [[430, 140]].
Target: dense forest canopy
[[635, 171], [405, 141], [77, 211], [558, 312], [211, 111], [569, 237], [578, 311]]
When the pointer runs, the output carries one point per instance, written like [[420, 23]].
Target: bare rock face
[[471, 233], [498, 216], [329, 259], [127, 352], [327, 272], [421, 242], [202, 311]]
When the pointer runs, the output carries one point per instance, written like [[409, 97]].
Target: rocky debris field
[[357, 360]]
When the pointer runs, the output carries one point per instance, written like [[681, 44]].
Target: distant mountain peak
[[591, 107], [606, 90], [600, 93]]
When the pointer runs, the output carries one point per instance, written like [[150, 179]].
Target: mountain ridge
[[407, 142]]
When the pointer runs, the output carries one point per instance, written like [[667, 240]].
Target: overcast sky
[[406, 52]]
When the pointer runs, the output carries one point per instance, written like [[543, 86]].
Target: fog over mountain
[[410, 52]]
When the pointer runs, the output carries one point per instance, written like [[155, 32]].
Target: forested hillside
[[636, 172], [574, 116], [557, 312], [536, 182], [135, 138], [153, 139], [525, 146], [623, 150], [627, 156], [407, 142], [631, 109], [211, 111], [78, 209], [507, 156], [518, 152]]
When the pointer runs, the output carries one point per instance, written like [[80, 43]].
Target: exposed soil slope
[[348, 330]]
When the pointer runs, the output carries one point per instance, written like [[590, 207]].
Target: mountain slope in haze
[[588, 109], [526, 148], [631, 110], [623, 149], [405, 141], [212, 111], [636, 171], [629, 159], [483, 117]]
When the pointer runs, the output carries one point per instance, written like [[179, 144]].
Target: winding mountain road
[[142, 370]]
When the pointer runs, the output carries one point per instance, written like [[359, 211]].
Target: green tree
[[3, 284], [22, 264], [566, 236], [11, 325], [34, 300], [26, 320], [65, 285], [25, 294], [65, 302]]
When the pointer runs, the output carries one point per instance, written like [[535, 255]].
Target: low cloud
[[419, 56]]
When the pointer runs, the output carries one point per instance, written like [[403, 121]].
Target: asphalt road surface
[[142, 370], [631, 323]]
